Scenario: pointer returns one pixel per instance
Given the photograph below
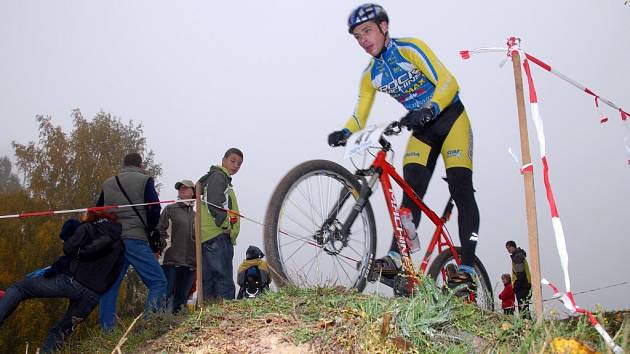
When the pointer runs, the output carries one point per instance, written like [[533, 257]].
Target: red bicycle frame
[[440, 239]]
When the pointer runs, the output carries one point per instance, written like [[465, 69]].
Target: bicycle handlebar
[[393, 128]]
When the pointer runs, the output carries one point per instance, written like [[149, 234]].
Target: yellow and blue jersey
[[408, 71]]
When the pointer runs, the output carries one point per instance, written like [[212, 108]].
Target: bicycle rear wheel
[[306, 250], [438, 272]]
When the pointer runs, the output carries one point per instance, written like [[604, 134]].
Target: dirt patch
[[268, 335]]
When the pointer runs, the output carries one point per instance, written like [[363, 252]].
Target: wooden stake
[[198, 254], [530, 198]]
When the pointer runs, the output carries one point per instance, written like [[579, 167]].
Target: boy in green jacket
[[219, 228]]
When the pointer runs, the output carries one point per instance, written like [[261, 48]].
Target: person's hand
[[233, 217], [419, 118], [161, 245], [339, 137]]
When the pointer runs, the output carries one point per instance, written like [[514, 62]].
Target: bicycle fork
[[363, 197]]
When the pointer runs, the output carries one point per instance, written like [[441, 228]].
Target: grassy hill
[[331, 320]]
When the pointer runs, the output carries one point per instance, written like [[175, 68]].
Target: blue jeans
[[139, 255], [217, 271], [82, 302], [179, 281]]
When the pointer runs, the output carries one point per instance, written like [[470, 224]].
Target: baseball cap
[[184, 182]]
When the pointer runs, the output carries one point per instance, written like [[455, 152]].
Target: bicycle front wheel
[[303, 240], [439, 272]]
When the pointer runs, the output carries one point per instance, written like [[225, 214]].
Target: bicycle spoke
[[321, 197], [308, 230], [311, 243], [334, 266], [295, 239], [309, 262], [310, 203], [356, 241], [305, 233], [355, 251], [341, 197], [328, 196], [297, 249], [312, 263], [304, 213], [346, 261], [342, 268]]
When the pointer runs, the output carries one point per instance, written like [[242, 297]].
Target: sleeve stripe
[[423, 56], [356, 119]]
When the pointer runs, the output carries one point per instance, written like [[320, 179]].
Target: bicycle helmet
[[365, 13]]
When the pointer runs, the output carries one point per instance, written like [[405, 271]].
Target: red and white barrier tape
[[83, 210], [555, 217], [528, 167], [569, 303], [514, 46], [547, 67], [109, 207], [465, 54]]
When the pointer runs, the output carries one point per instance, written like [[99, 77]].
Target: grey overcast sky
[[275, 77]]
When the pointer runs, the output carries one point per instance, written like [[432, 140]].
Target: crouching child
[[253, 274]]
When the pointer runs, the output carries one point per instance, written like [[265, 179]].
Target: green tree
[[61, 171], [67, 170], [26, 245]]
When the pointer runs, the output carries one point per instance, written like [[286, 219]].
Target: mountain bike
[[320, 228]]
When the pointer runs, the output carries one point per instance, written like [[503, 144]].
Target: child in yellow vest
[[253, 274]]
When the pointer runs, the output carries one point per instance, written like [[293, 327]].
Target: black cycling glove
[[339, 137], [419, 118]]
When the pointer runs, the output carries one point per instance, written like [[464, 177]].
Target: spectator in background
[[219, 228], [133, 186], [91, 264], [521, 280], [507, 295], [177, 227], [253, 274]]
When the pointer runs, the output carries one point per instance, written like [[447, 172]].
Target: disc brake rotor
[[330, 238]]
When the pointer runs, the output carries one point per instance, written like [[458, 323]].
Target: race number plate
[[363, 139]]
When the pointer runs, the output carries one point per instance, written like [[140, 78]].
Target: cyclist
[[408, 70]]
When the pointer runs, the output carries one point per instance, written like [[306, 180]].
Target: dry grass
[[330, 320]]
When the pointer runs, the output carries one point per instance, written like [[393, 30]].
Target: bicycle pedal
[[373, 276], [402, 286], [385, 267], [382, 276]]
